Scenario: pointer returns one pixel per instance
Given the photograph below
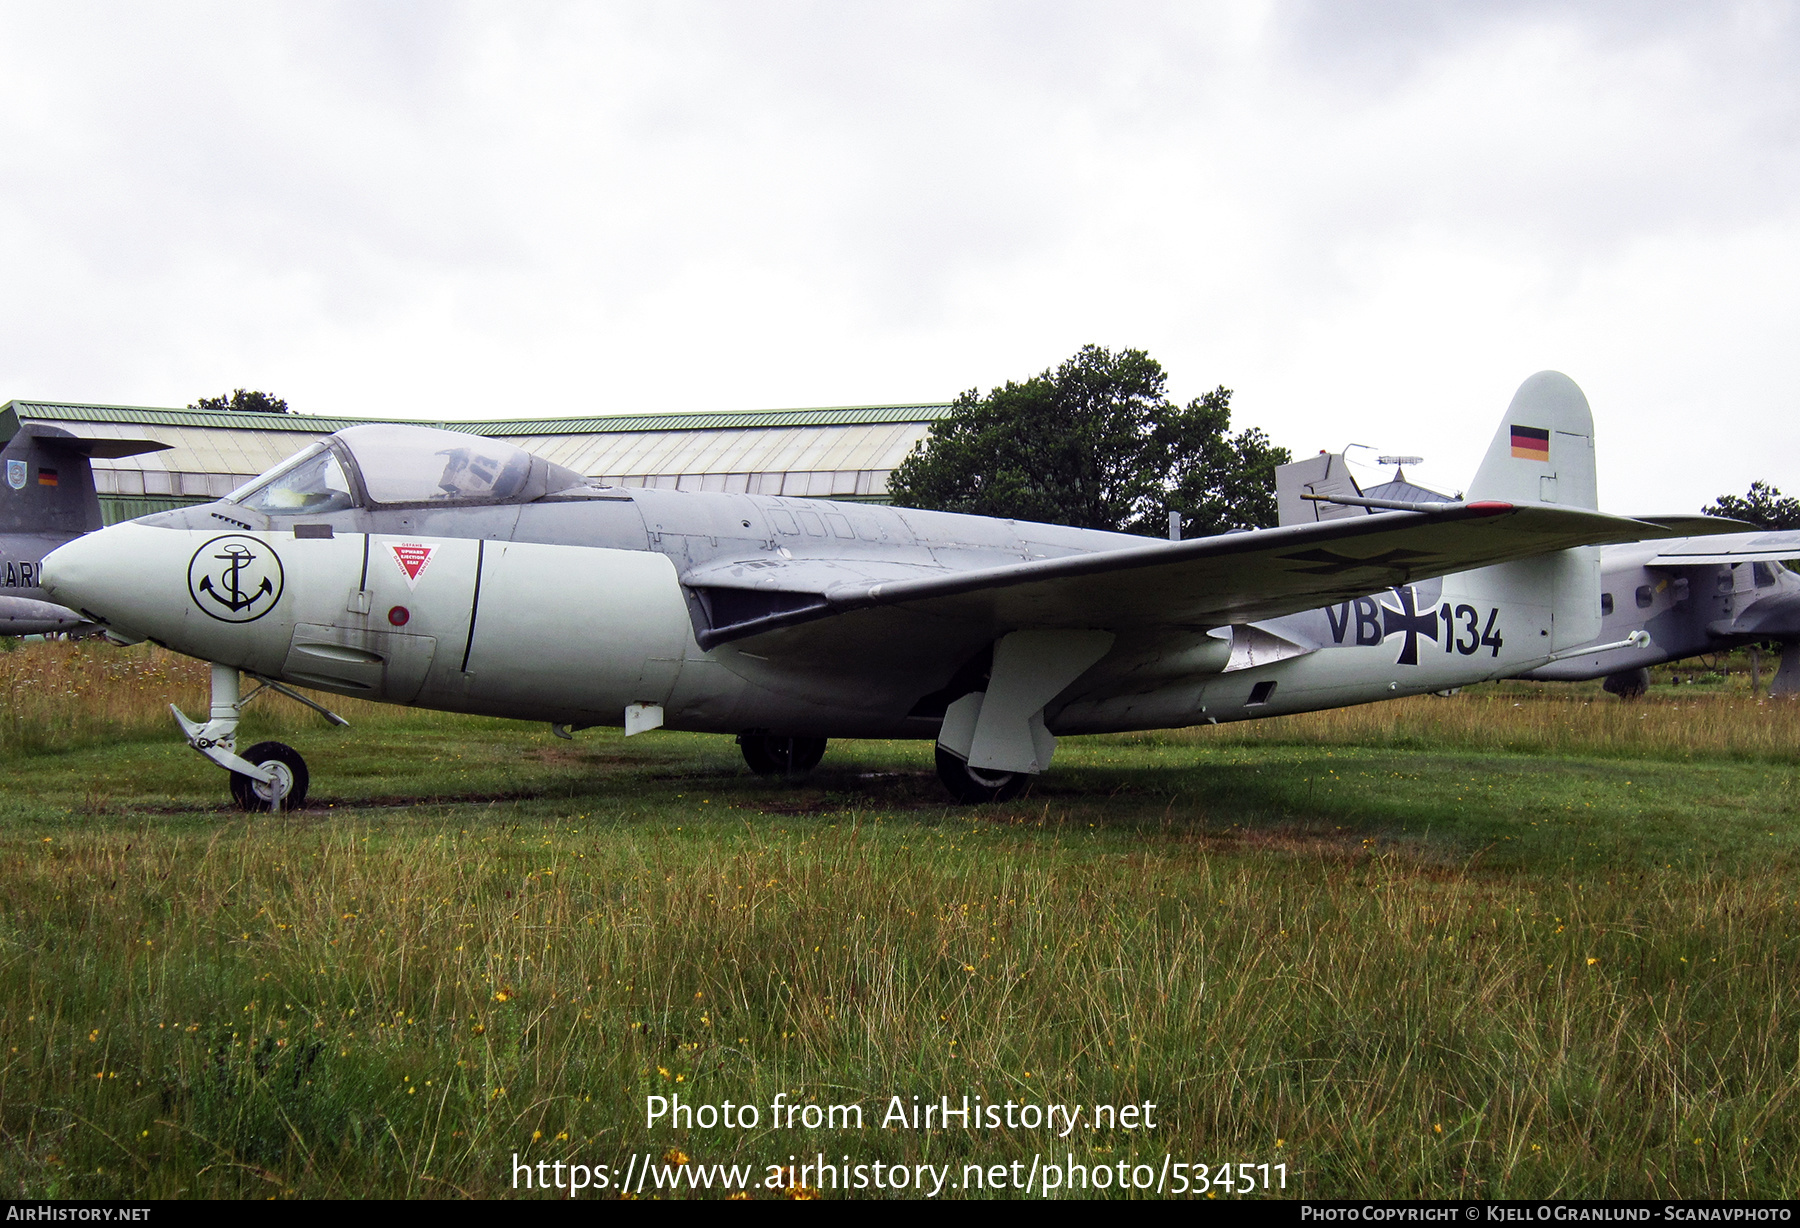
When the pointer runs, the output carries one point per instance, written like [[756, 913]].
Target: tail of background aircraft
[[49, 483], [47, 498], [1543, 453]]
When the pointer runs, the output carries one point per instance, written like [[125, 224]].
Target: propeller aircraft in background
[[425, 567]]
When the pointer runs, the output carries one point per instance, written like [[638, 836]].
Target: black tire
[[772, 755], [254, 795], [971, 785], [1627, 683]]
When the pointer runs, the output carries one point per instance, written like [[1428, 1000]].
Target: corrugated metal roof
[[65, 411], [746, 419], [845, 451], [319, 424], [875, 446]]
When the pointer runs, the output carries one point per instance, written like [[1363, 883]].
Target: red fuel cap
[[398, 615]]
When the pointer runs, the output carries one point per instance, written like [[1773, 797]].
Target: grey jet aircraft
[[420, 566], [48, 499]]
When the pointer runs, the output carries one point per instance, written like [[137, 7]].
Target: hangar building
[[844, 453]]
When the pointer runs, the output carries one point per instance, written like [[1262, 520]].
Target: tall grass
[[60, 694], [1548, 719], [394, 999], [365, 1010]]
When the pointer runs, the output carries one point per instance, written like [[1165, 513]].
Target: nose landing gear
[[270, 776], [286, 788]]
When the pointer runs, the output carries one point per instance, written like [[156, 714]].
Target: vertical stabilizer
[[1543, 453], [1544, 449], [46, 484]]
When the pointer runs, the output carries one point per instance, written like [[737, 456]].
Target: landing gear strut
[[967, 784], [270, 776], [771, 755]]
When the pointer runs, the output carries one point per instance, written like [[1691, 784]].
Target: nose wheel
[[771, 755], [286, 788], [270, 776]]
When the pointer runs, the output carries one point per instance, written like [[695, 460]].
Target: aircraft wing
[[1760, 547], [1206, 582]]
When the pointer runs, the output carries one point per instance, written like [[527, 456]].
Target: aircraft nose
[[74, 574]]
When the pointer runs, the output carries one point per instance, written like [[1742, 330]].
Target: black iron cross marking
[[1408, 619], [1331, 563]]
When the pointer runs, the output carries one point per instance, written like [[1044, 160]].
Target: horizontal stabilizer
[[1323, 475], [1728, 548], [108, 449]]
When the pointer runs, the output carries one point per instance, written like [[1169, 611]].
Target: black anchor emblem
[[236, 557], [246, 587]]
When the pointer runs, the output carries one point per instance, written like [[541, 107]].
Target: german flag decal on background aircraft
[[1530, 443]]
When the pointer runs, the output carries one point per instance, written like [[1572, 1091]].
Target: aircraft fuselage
[[568, 611]]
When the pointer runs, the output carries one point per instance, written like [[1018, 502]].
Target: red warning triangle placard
[[413, 558]]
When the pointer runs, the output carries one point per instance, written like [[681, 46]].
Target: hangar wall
[[842, 453]]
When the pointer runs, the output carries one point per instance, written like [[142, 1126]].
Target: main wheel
[[967, 784], [1627, 683], [772, 755], [290, 773]]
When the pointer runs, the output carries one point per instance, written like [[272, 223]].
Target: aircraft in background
[[1692, 597], [1686, 597], [425, 567], [48, 499]]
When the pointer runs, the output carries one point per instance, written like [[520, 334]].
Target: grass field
[[1521, 942]]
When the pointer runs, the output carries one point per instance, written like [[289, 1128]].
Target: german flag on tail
[[46, 477], [1530, 443]]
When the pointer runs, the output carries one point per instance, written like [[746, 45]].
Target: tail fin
[[1544, 449], [49, 484], [1543, 453]]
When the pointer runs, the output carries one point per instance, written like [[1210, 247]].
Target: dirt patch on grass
[[1313, 843], [577, 757], [828, 792]]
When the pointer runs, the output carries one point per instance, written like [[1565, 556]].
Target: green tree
[[241, 402], [1096, 443], [1763, 505]]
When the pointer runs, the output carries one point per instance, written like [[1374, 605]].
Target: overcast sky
[[1371, 221]]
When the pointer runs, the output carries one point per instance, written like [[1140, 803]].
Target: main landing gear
[[967, 784], [772, 755], [270, 776]]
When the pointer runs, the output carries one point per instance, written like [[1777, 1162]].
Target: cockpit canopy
[[387, 465]]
